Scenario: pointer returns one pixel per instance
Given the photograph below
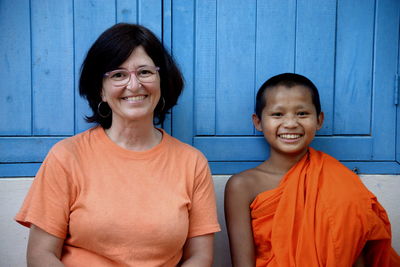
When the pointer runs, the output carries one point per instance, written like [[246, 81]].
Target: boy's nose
[[290, 121]]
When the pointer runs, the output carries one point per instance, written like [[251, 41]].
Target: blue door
[[226, 49], [348, 48]]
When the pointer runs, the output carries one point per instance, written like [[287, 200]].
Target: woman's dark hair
[[288, 80], [109, 51]]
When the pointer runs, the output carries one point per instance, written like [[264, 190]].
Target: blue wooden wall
[[226, 49]]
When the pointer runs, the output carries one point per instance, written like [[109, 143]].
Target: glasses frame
[[134, 72]]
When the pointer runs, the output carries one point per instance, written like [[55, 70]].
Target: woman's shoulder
[[74, 144], [182, 148]]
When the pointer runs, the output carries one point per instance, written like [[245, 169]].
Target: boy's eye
[[302, 113], [276, 114]]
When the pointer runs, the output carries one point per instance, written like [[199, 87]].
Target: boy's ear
[[320, 120], [257, 122]]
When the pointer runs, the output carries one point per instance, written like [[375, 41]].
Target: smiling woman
[[123, 193]]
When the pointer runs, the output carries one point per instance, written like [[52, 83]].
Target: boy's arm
[[238, 222]]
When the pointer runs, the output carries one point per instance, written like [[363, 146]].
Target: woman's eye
[[144, 72], [118, 75]]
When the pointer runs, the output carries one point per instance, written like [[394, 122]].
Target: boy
[[301, 207]]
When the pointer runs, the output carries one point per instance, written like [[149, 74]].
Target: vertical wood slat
[[315, 50], [235, 67], [150, 15], [275, 45], [52, 68], [167, 42], [205, 67], [91, 18], [276, 32], [398, 102], [15, 66], [183, 51], [354, 56], [385, 66], [127, 11]]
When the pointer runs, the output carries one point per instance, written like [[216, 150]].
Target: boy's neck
[[282, 163]]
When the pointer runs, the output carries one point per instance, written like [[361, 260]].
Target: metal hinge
[[396, 89]]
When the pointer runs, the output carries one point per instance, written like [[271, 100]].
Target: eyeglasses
[[121, 77]]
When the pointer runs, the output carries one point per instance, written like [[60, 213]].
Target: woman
[[123, 193]]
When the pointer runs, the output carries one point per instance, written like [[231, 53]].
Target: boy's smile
[[289, 120]]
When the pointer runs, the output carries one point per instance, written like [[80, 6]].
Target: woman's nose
[[133, 82]]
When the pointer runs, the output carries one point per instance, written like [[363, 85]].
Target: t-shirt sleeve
[[47, 203], [203, 212]]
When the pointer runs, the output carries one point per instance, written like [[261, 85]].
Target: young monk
[[301, 207]]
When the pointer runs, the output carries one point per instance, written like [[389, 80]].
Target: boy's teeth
[[135, 98], [289, 136]]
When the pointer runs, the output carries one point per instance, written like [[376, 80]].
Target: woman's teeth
[[135, 98]]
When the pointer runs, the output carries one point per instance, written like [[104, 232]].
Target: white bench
[[13, 237]]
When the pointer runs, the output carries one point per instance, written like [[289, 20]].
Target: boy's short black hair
[[288, 80], [110, 50]]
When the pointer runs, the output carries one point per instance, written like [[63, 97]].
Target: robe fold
[[321, 214]]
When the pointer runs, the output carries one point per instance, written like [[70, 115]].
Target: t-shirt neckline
[[110, 147]]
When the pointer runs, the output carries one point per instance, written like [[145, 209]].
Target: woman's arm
[[238, 223], [198, 251], [44, 249]]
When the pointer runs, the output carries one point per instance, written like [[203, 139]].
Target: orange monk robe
[[320, 215]]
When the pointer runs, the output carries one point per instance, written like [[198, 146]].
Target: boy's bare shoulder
[[244, 178], [249, 182]]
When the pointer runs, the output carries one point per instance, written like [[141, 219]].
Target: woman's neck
[[134, 136]]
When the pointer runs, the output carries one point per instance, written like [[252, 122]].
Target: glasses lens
[[119, 77], [146, 74]]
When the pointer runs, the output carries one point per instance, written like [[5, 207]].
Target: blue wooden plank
[[205, 67], [52, 67], [25, 149], [236, 41], [256, 149], [217, 168], [167, 39], [182, 50], [19, 169], [91, 18], [397, 81], [364, 167], [150, 15], [354, 55], [385, 66], [15, 63], [276, 31], [127, 11], [275, 41], [315, 50]]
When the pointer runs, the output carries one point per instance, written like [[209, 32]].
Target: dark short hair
[[288, 80], [110, 50]]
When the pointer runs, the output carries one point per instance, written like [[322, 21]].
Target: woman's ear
[[257, 122], [320, 120], [102, 95]]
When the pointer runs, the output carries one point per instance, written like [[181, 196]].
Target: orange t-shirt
[[116, 207], [320, 215]]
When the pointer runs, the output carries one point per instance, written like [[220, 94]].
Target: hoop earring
[[99, 112], [163, 103]]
